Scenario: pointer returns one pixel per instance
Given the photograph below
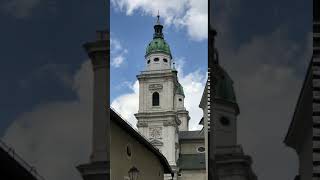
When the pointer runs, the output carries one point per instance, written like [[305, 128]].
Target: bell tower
[[225, 109], [230, 162], [161, 111]]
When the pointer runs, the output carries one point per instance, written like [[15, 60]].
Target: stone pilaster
[[99, 165]]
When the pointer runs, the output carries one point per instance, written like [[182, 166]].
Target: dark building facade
[[304, 131]]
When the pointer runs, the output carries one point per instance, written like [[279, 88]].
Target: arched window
[[155, 99], [156, 59], [165, 60]]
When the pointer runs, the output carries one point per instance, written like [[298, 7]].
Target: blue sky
[[134, 32], [43, 73], [265, 46], [46, 76], [46, 96], [41, 48], [131, 32]]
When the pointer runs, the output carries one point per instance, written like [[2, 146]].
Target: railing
[[32, 170]]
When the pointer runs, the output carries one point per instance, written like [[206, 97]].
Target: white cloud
[[115, 45], [55, 137], [19, 8], [117, 61], [127, 104], [264, 70], [267, 89], [189, 14], [193, 84], [117, 52]]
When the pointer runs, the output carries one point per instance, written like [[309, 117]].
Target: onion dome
[[224, 86], [158, 44], [179, 89]]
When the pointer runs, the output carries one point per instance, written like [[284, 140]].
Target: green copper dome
[[179, 89], [158, 45], [224, 87]]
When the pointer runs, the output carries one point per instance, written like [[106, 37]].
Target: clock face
[[155, 133]]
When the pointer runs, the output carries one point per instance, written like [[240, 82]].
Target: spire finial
[[158, 28], [158, 18]]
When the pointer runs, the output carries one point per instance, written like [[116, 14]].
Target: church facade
[[230, 161], [162, 116], [164, 120]]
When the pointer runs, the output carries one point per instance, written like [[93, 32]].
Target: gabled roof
[[132, 132]]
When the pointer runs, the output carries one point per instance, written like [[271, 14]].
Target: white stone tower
[[230, 160], [161, 99], [225, 109]]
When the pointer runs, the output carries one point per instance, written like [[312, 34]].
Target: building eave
[[117, 119], [14, 167]]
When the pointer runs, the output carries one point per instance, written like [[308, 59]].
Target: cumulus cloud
[[189, 14], [58, 71], [117, 61], [266, 70], [267, 92], [128, 104], [117, 52], [55, 137], [193, 83], [19, 8]]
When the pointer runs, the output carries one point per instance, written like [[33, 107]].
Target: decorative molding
[[155, 86], [155, 132], [142, 124], [169, 123], [156, 142], [160, 114], [155, 74]]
